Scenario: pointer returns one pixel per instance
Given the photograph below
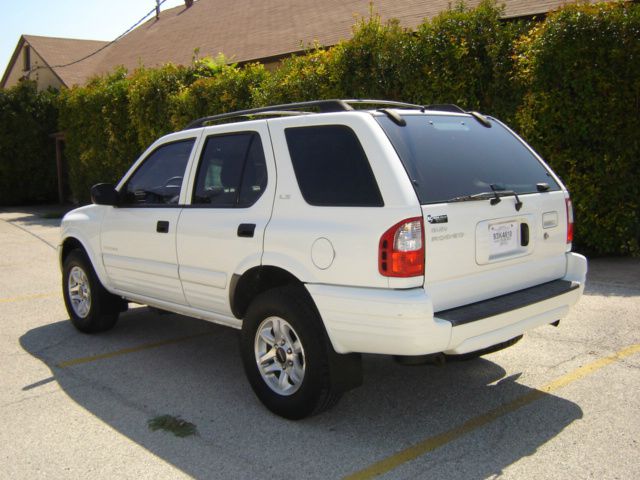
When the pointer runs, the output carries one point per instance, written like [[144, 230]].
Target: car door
[[221, 230], [139, 235]]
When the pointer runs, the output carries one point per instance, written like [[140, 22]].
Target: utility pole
[[157, 9]]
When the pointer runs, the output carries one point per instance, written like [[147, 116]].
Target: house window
[[26, 57]]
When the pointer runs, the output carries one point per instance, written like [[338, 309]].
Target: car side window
[[158, 181], [232, 171], [331, 167]]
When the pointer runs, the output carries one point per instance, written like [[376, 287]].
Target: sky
[[87, 19]]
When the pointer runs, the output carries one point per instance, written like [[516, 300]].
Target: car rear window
[[331, 167], [449, 156]]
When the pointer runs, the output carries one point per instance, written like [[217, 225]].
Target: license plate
[[503, 238]]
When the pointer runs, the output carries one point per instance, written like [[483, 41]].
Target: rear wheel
[[90, 306], [285, 356]]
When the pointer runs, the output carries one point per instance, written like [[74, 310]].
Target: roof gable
[[62, 51]]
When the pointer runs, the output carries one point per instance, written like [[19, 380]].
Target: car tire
[[90, 306], [285, 354]]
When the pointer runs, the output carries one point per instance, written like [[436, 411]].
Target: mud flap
[[345, 370]]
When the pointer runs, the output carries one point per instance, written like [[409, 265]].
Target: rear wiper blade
[[470, 198], [494, 195]]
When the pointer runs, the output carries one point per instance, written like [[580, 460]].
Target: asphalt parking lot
[[563, 403]]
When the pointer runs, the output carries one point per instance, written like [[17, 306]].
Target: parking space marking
[[432, 443], [22, 298], [125, 351]]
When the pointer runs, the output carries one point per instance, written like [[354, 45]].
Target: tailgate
[[475, 250]]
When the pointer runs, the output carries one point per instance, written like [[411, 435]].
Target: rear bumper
[[402, 322]]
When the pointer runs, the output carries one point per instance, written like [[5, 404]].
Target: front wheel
[[90, 307], [285, 356]]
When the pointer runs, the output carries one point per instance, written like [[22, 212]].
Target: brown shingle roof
[[61, 51], [246, 30], [243, 30]]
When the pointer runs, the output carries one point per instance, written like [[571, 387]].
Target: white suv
[[324, 231]]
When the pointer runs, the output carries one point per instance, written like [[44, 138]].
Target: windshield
[[450, 156]]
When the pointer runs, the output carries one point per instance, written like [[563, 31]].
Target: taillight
[[401, 251], [569, 220]]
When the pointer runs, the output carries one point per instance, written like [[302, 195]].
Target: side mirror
[[105, 194]]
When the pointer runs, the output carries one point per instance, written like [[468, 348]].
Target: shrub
[[299, 78], [462, 56], [581, 68], [150, 94], [465, 57], [101, 142], [379, 61], [27, 153], [230, 88]]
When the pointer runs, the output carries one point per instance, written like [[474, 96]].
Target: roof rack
[[323, 106]]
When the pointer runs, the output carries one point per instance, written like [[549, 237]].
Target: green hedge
[[379, 61], [298, 79], [569, 83], [101, 142], [150, 95], [27, 153], [581, 69], [466, 57], [226, 88]]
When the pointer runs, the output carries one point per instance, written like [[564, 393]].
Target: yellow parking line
[[432, 443], [124, 351], [21, 298]]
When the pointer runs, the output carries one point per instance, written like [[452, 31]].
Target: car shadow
[[35, 220], [199, 378]]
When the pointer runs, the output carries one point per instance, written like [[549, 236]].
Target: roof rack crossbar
[[446, 107], [323, 106], [277, 113], [385, 103]]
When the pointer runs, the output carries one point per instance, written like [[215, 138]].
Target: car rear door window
[[331, 167], [232, 171]]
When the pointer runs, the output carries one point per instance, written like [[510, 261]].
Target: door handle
[[524, 234], [162, 226], [246, 230]]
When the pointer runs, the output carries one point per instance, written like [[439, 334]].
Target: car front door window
[[158, 181]]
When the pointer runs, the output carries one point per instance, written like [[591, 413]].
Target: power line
[[153, 10]]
